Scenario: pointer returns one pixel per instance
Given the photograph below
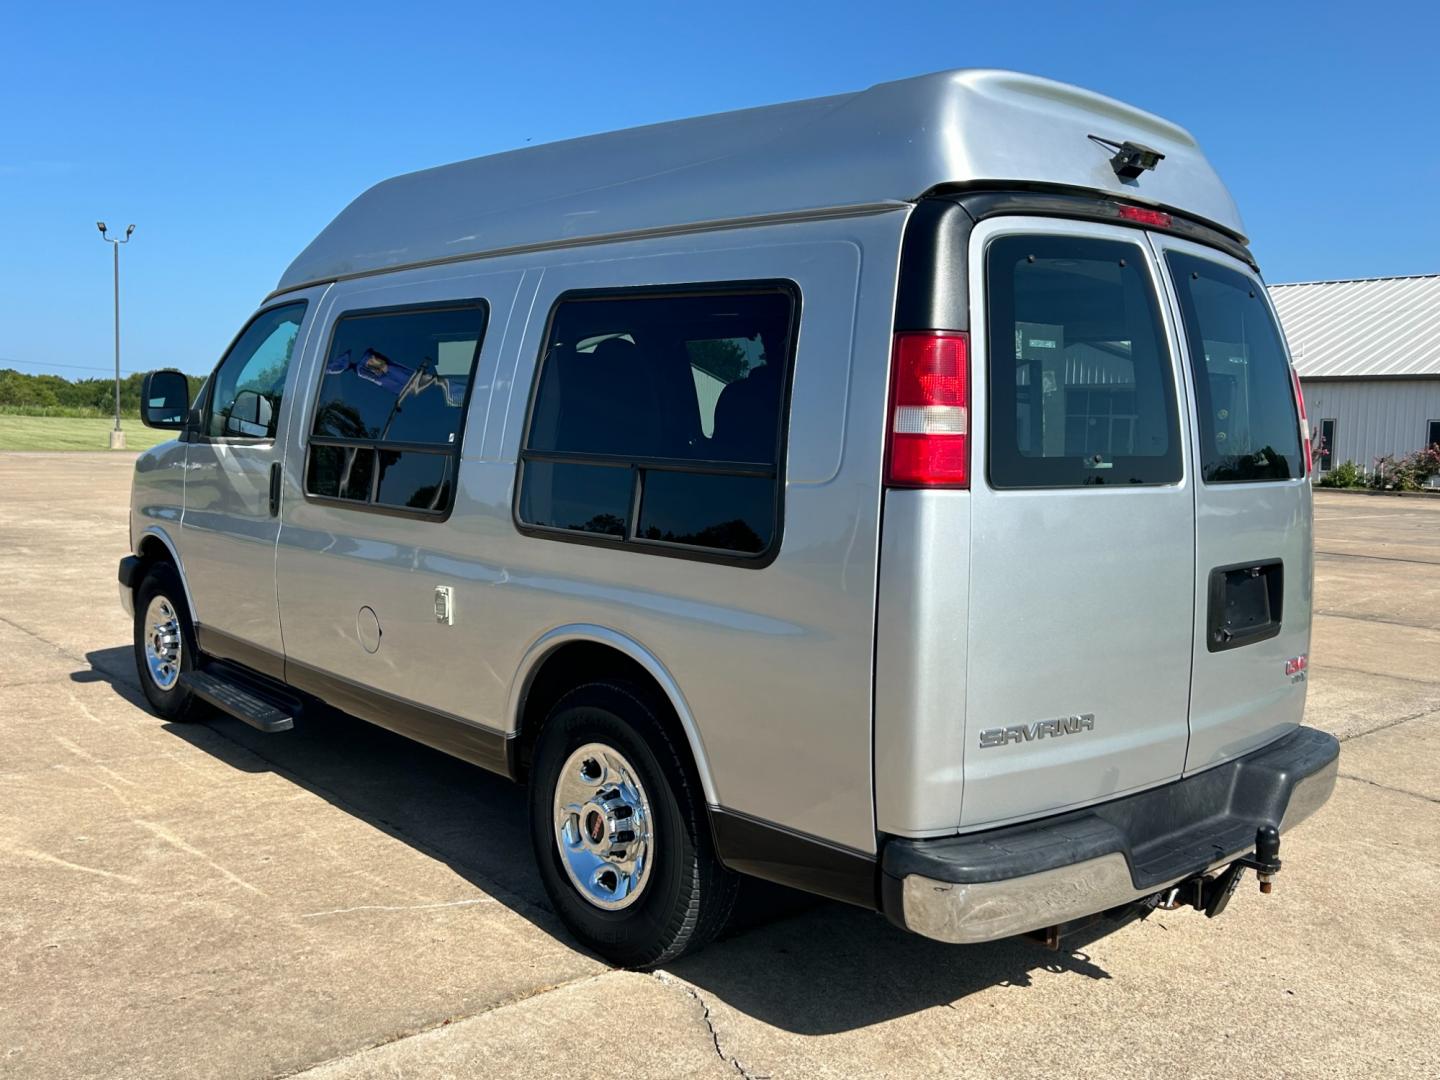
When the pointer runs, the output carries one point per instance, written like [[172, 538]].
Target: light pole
[[117, 437]]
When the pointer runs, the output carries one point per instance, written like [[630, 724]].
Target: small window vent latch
[[444, 605]]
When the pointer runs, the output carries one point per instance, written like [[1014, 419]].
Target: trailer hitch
[[1211, 894]]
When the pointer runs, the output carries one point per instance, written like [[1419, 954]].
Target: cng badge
[[1041, 729]]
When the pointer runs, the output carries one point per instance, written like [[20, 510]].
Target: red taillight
[[1304, 422], [1145, 217], [930, 410]]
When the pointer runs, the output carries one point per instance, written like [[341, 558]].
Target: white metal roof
[[875, 149], [1368, 327]]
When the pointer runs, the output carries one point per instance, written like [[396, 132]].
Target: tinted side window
[[249, 384], [657, 419], [1249, 429], [1081, 384], [391, 407]]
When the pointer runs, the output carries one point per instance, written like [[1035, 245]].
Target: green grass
[[73, 433]]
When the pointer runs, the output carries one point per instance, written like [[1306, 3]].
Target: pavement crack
[[1356, 617], [1330, 666], [61, 649], [55, 860], [1375, 558], [117, 679], [401, 907], [1387, 787], [685, 988], [89, 715], [176, 842], [448, 1021], [90, 759], [478, 877], [1390, 724], [40, 638]]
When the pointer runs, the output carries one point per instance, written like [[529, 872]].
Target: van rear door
[[1254, 561], [1082, 583]]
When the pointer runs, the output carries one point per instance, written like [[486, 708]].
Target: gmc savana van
[[902, 496]]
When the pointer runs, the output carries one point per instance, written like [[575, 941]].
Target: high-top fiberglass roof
[[871, 150]]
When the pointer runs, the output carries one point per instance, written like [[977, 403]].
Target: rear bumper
[[995, 884]]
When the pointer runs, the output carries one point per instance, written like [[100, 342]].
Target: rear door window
[[1082, 390], [1249, 429]]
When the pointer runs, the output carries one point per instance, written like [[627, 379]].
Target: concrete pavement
[[204, 900]]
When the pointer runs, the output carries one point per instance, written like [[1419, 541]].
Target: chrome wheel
[[603, 827], [162, 643]]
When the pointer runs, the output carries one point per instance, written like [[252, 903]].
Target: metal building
[[1368, 355]]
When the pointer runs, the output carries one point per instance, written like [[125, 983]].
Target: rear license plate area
[[1245, 604]]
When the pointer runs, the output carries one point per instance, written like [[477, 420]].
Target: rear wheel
[[619, 830], [165, 643]]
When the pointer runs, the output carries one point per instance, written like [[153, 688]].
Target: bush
[[1408, 473], [71, 412], [22, 394], [1345, 475]]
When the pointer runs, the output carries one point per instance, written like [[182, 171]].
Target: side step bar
[[242, 698]]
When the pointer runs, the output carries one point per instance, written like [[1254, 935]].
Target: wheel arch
[[155, 546], [570, 655]]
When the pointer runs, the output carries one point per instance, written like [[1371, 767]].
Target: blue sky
[[231, 136]]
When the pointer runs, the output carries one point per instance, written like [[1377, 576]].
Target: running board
[[240, 698]]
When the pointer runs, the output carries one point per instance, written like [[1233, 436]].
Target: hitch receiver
[[1212, 894]]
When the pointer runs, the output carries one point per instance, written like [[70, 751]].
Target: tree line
[[40, 395]]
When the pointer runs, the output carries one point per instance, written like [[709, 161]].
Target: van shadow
[[805, 966]]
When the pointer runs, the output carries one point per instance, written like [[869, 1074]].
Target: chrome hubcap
[[603, 827], [162, 643]]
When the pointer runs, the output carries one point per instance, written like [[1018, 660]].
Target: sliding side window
[[391, 408], [657, 421]]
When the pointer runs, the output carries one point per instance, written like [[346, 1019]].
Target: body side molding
[[765, 850], [441, 731], [223, 646]]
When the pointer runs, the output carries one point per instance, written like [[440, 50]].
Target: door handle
[[275, 489]]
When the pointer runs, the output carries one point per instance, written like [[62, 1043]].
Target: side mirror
[[249, 416], [165, 399]]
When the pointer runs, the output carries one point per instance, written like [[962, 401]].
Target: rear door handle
[[275, 489]]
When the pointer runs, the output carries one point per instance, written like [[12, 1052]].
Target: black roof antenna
[[1131, 158]]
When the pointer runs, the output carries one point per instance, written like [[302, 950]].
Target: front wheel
[[620, 833], [165, 643]]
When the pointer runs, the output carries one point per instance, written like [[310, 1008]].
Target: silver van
[[903, 496]]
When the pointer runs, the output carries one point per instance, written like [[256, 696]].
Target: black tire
[[176, 703], [688, 896]]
